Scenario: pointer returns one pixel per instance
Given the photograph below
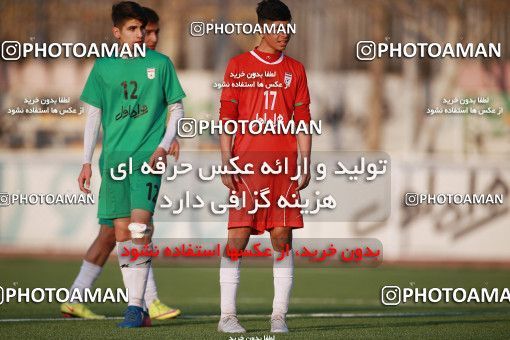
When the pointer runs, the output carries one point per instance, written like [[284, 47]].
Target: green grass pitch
[[327, 303]]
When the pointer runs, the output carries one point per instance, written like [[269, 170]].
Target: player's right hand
[[84, 178]]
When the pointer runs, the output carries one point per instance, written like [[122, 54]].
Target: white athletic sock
[[229, 281], [89, 272], [283, 274], [134, 273], [151, 291]]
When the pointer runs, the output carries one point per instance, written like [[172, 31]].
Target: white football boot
[[230, 324], [278, 324]]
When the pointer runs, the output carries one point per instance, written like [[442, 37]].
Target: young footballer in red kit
[[284, 97]]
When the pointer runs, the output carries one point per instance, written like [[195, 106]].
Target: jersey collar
[[267, 58]]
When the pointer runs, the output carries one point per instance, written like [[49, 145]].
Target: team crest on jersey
[[287, 79], [151, 73]]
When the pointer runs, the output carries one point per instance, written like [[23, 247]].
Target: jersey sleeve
[[92, 92], [302, 102], [171, 85], [229, 95]]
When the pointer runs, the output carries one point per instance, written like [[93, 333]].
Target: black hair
[[152, 16], [273, 10], [125, 10]]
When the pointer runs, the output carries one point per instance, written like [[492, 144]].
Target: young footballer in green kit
[[130, 98], [104, 243]]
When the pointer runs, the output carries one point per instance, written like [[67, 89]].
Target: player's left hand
[[305, 178], [160, 152], [174, 149], [84, 178]]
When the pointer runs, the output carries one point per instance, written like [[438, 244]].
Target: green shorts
[[107, 222], [117, 198]]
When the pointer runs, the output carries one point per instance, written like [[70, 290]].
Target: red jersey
[[265, 87], [280, 85]]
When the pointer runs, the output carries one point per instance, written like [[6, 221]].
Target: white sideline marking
[[306, 315]]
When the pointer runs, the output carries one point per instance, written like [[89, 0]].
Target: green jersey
[[133, 95]]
